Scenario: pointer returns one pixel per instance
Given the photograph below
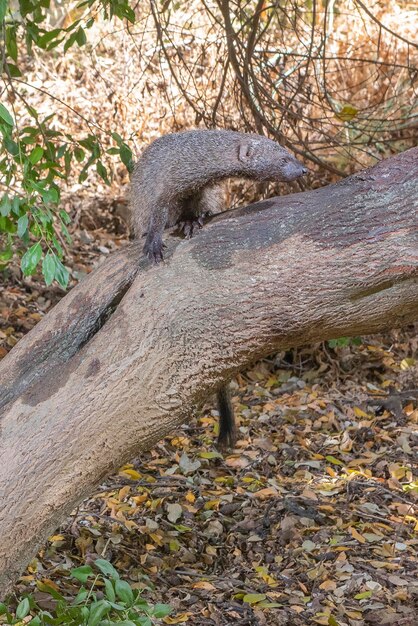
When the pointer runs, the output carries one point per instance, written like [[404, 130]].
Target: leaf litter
[[311, 519]]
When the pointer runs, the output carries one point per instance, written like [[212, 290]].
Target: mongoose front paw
[[189, 227], [153, 249]]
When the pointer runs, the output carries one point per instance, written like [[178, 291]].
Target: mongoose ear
[[245, 151]]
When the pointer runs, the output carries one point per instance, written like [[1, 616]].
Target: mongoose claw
[[153, 249], [189, 227]]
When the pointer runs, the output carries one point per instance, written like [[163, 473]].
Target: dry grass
[[128, 80]]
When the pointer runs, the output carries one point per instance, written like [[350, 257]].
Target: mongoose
[[177, 180]]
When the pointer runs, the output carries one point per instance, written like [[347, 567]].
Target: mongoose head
[[264, 159]]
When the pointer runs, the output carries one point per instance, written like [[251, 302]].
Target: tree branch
[[100, 379]]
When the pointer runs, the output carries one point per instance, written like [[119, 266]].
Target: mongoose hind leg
[[189, 227], [198, 206]]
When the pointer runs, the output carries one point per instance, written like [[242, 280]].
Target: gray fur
[[177, 178]]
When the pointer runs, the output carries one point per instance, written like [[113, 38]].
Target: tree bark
[[129, 355]]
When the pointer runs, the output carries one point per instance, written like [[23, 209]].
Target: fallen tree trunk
[[127, 356]]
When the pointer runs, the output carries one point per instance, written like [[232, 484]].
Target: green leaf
[[57, 247], [79, 154], [36, 155], [83, 572], [102, 171], [49, 36], [85, 614], [61, 150], [31, 259], [45, 217], [74, 24], [253, 598], [118, 607], [161, 610], [67, 161], [4, 5], [341, 342], [11, 146], [362, 596], [346, 113], [143, 605], [5, 115], [66, 234], [143, 621], [333, 460], [54, 43], [22, 225], [62, 275], [70, 41], [37, 186], [50, 195], [126, 156], [210, 455], [5, 256], [64, 216], [3, 609], [91, 144], [23, 608], [5, 205], [81, 38], [124, 11], [81, 597], [269, 605], [6, 225], [14, 72], [181, 528], [124, 592], [16, 205], [117, 138], [83, 175], [110, 592], [106, 568], [97, 611], [11, 44]]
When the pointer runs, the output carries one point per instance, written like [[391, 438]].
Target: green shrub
[[103, 599], [35, 158]]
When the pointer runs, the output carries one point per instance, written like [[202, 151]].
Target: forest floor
[[311, 519]]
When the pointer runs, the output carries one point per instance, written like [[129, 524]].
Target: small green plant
[[105, 601], [343, 342], [36, 158]]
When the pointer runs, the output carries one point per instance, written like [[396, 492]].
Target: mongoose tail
[[227, 426]]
